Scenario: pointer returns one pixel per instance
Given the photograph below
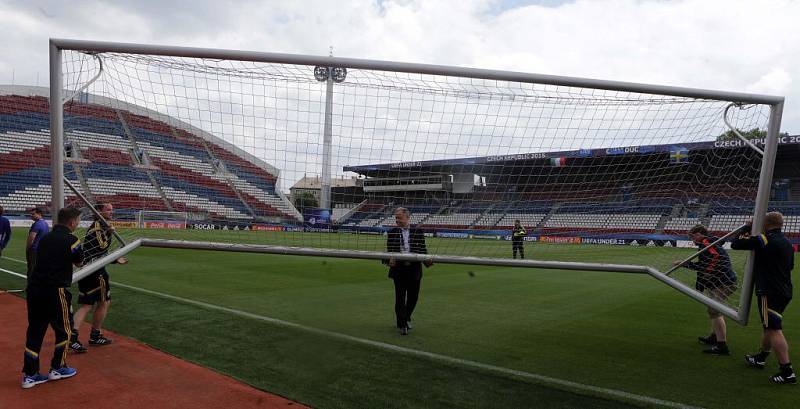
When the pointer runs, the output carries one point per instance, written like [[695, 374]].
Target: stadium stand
[[205, 176], [527, 219], [185, 169], [723, 223], [680, 225], [455, 219]]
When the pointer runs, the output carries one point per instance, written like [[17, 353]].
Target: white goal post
[[406, 117]]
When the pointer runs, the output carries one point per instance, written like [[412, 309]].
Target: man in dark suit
[[407, 275]]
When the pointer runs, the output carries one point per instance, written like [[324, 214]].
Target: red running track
[[125, 374]]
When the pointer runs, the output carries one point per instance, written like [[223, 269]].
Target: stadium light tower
[[329, 75]]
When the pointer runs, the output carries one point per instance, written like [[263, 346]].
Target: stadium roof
[[465, 163]]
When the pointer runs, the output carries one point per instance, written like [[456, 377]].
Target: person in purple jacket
[[35, 234], [5, 231]]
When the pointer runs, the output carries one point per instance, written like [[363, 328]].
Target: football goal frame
[[57, 92]]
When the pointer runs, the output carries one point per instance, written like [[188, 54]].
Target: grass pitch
[[617, 331]]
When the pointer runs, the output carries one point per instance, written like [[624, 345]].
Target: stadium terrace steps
[[13, 104], [184, 201], [726, 222], [680, 225], [22, 160], [452, 219], [106, 136], [133, 203], [23, 199], [18, 194], [139, 156], [83, 184], [366, 211], [527, 219], [110, 156], [14, 141]]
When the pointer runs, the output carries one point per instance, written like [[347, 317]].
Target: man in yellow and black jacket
[[772, 273], [94, 290], [49, 299], [517, 239]]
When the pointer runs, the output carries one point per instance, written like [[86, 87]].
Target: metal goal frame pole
[[56, 132], [761, 205]]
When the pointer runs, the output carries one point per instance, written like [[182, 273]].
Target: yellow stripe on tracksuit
[[103, 293], [65, 316], [34, 354]]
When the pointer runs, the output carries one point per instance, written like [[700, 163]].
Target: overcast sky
[[730, 45]]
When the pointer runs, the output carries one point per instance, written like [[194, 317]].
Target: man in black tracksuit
[[517, 238], [94, 290], [715, 277], [49, 299], [774, 260], [407, 275]]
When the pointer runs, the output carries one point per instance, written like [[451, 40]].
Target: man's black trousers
[[47, 306], [516, 245], [406, 294]]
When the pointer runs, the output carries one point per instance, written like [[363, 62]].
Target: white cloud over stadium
[[728, 45]]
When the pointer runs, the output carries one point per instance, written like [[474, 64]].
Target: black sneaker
[[708, 340], [754, 361], [99, 340], [717, 350], [781, 377], [76, 346]]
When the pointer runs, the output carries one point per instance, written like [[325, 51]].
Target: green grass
[[619, 331]]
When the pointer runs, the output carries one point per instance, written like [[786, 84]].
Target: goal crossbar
[[416, 68]]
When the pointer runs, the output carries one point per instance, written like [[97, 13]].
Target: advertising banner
[[164, 225], [560, 239], [317, 219], [261, 227]]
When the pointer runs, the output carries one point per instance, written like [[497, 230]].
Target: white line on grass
[[13, 259], [430, 355], [14, 274]]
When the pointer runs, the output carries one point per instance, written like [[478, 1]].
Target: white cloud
[[776, 81]]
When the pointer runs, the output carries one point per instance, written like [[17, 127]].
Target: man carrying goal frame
[[94, 290], [774, 261], [715, 277]]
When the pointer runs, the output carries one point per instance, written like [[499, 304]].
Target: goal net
[[258, 150]]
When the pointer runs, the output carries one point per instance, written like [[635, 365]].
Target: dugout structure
[[319, 115]]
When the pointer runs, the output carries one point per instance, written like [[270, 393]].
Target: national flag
[[678, 154], [558, 162]]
